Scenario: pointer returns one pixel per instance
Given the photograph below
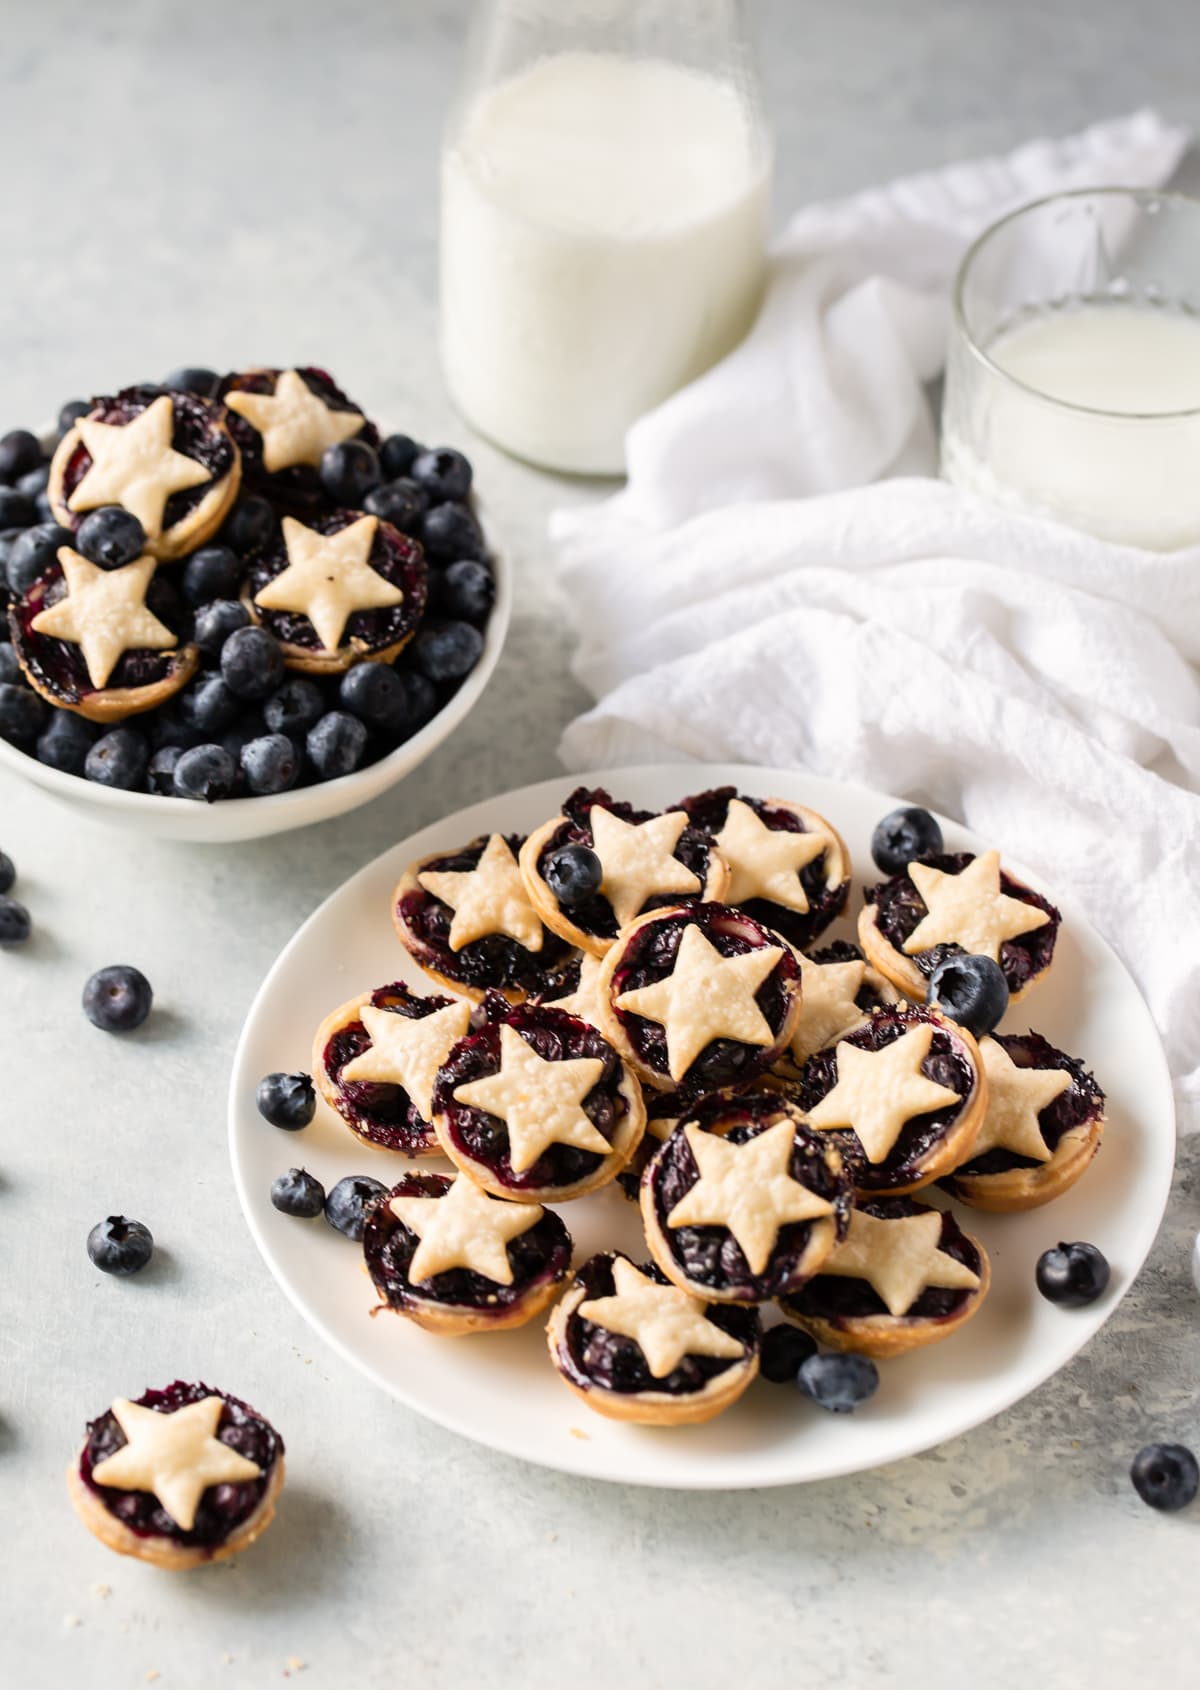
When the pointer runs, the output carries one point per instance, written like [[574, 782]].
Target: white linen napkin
[[1032, 681]]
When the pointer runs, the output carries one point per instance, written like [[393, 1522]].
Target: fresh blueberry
[[208, 707], [160, 774], [203, 383], [400, 502], [32, 553], [43, 510], [349, 470], [298, 1193], [1072, 1274], [446, 651], [396, 455], [270, 763], [66, 741], [70, 415], [904, 836], [22, 715], [166, 726], [8, 872], [34, 481], [574, 875], [971, 990], [205, 773], [336, 744], [294, 707], [120, 1246], [214, 624], [17, 510], [250, 525], [1167, 1476], [20, 451], [117, 999], [214, 572], [784, 1351], [375, 694], [346, 1204], [466, 590], [252, 663], [11, 674], [286, 1100], [118, 759], [110, 537], [420, 702], [450, 532], [15, 925], [8, 539], [444, 474], [838, 1382]]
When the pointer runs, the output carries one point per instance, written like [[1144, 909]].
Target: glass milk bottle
[[605, 187]]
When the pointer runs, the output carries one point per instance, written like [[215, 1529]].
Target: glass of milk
[[1073, 381], [605, 186]]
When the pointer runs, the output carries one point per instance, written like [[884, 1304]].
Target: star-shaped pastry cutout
[[1016, 1097], [827, 1003], [296, 425], [328, 578], [489, 898], [464, 1229], [662, 1320], [969, 909], [539, 1101], [104, 613], [584, 1002], [706, 996], [898, 1258], [747, 1188], [174, 1456], [765, 862], [408, 1050], [135, 465], [638, 861], [877, 1091]]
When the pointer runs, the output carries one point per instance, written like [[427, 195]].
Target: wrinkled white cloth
[[745, 598]]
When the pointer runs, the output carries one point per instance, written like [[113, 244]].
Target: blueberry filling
[[59, 665], [197, 434], [836, 1299], [592, 1356], [900, 908], [223, 1508], [541, 1254], [384, 1114], [594, 915], [556, 1037], [708, 811], [1082, 1102], [299, 486]]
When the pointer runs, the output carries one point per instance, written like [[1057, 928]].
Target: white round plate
[[502, 1391]]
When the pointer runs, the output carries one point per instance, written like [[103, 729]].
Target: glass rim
[[1169, 196]]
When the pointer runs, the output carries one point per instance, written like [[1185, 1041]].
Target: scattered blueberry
[[270, 763], [120, 1246], [15, 925], [117, 999], [110, 536], [10, 668], [346, 1203], [66, 741], [784, 1351], [295, 706], [573, 875], [838, 1382], [214, 624], [904, 836], [298, 1193], [70, 415], [208, 706], [34, 481], [252, 663], [444, 474], [8, 872], [205, 773], [250, 525], [17, 510], [446, 651], [466, 590], [450, 532], [160, 774], [22, 715], [375, 694], [203, 383], [118, 759], [396, 455], [20, 451], [286, 1100], [32, 552], [1072, 1274], [400, 502], [335, 744], [971, 990], [349, 470], [214, 572], [1167, 1476]]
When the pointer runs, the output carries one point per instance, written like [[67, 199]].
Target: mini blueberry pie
[[903, 1095], [579, 991], [788, 867], [744, 1201], [337, 589], [447, 1256], [957, 902], [375, 1061], [180, 1477], [1044, 1123], [104, 643], [600, 864], [634, 1347], [905, 1275], [538, 1107], [839, 989], [168, 458], [466, 918], [282, 421], [700, 994]]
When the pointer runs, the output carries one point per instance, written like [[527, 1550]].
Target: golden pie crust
[[114, 704], [886, 1335], [458, 1320], [306, 661], [164, 1551], [1016, 1189]]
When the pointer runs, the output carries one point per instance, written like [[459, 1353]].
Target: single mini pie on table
[[104, 643], [701, 994], [455, 1261], [634, 1347], [283, 420], [744, 1201], [336, 589], [621, 862], [1044, 1123], [905, 1275], [839, 989], [538, 1107], [182, 1476], [903, 1095], [375, 1061], [466, 918], [957, 902], [168, 458], [789, 867]]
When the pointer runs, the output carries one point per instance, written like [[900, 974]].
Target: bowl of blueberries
[[232, 605]]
